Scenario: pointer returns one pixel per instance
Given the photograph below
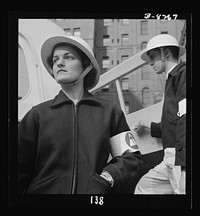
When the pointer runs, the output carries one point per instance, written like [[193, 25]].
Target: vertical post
[[120, 95], [162, 80]]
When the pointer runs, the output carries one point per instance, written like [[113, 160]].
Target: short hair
[[173, 49], [85, 60]]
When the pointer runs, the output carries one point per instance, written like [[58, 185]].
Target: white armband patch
[[181, 107], [122, 142]]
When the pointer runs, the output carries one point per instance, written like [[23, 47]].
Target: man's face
[[67, 65], [155, 61]]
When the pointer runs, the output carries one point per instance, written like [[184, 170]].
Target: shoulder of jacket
[[105, 101], [42, 105], [181, 67], [110, 106]]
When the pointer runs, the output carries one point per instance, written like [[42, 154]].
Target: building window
[[68, 32], [143, 45], [125, 38], [124, 58], [105, 88], [158, 98], [145, 96], [144, 27], [106, 40], [125, 21], [145, 75], [127, 107], [77, 32], [23, 79], [105, 62], [138, 49], [106, 22], [125, 81]]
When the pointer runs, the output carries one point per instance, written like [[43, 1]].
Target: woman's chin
[[61, 80]]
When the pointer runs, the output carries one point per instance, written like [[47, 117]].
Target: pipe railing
[[114, 74], [126, 67]]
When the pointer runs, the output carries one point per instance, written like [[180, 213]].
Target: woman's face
[[67, 64]]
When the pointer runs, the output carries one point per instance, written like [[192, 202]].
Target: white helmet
[[161, 40], [49, 44]]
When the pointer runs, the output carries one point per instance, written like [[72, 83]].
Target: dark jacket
[[172, 127], [63, 149]]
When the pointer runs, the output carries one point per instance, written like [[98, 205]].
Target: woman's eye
[[54, 61], [65, 57], [68, 57]]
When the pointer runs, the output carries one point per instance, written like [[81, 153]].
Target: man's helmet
[[161, 40]]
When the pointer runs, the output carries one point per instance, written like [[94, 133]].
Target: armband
[[181, 107], [123, 142]]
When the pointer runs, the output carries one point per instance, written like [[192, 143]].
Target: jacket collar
[[176, 68], [62, 98]]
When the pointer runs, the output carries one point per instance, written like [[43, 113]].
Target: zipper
[[75, 139]]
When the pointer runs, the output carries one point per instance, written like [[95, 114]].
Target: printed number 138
[[96, 200]]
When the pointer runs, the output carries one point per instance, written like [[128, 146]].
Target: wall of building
[[115, 40], [80, 27]]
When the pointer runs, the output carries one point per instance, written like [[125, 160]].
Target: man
[[65, 143], [163, 52]]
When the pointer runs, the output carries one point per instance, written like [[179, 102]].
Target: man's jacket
[[63, 148], [172, 128]]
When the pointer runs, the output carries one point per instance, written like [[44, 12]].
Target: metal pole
[[120, 95]]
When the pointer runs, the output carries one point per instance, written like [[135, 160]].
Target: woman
[[64, 143]]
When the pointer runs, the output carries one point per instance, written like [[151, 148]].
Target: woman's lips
[[61, 71]]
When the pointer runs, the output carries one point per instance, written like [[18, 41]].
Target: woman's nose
[[60, 62]]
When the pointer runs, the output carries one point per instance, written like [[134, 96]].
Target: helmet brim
[[50, 43], [145, 57]]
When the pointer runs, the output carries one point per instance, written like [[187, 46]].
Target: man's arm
[[180, 144], [155, 128]]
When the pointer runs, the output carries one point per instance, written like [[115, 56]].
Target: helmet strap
[[85, 72]]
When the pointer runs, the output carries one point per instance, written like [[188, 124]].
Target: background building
[[114, 41]]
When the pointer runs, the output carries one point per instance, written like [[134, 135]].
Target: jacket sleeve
[[124, 168], [27, 144], [156, 129], [180, 145]]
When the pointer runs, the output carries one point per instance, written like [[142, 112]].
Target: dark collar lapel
[[62, 98]]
